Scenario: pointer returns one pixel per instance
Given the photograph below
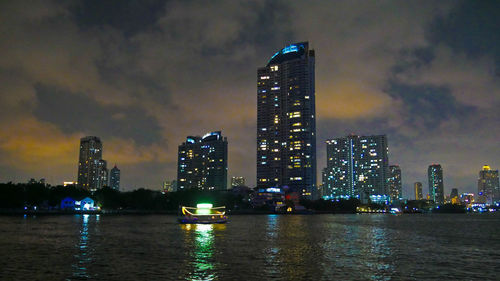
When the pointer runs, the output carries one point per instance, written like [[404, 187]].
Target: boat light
[[204, 206]]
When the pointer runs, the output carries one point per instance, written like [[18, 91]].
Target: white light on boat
[[204, 206]]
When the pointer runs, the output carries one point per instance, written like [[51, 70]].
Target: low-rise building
[[86, 204], [68, 203]]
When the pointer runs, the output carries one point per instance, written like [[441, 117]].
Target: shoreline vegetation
[[40, 199]]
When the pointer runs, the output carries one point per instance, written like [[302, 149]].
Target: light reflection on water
[[203, 263], [83, 256], [380, 250], [271, 253], [321, 247]]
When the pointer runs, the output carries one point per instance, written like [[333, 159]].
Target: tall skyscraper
[[202, 162], [114, 178], [395, 186], [286, 121], [488, 188], [418, 191], [92, 170], [436, 188], [356, 166], [237, 181]]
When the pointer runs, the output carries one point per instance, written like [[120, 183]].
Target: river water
[[251, 247]]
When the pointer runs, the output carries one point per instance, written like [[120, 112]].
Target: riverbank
[[174, 213]]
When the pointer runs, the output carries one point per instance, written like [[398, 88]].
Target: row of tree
[[20, 196]]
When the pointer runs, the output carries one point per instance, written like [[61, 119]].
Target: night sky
[[142, 75]]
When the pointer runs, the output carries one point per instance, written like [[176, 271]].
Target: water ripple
[[321, 247]]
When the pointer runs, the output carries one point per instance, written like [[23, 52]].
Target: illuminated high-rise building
[[356, 166], [436, 185], [237, 181], [92, 170], [103, 174], [169, 186], [202, 163], [418, 191], [395, 186], [488, 188], [286, 121], [114, 178]]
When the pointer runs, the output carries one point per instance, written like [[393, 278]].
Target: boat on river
[[203, 213]]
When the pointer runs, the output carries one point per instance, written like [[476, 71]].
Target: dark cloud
[[472, 27], [128, 16], [271, 27], [413, 58], [75, 112], [427, 106], [135, 180]]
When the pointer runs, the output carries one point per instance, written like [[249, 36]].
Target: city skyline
[[130, 74]]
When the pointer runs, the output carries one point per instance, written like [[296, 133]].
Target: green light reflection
[[203, 265]]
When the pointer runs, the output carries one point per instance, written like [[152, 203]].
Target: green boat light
[[203, 208]]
